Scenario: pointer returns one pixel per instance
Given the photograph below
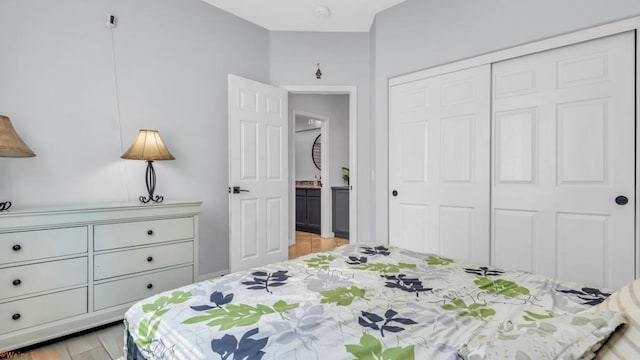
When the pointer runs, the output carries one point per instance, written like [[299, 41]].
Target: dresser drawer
[[138, 260], [39, 310], [28, 279], [114, 236], [31, 245], [136, 288]]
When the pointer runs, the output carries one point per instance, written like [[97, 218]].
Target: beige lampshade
[[10, 143], [148, 146]]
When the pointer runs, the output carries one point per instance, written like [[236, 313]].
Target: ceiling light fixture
[[322, 11]]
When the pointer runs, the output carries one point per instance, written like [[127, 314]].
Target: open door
[[258, 174]]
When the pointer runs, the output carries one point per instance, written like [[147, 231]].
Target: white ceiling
[[299, 15]]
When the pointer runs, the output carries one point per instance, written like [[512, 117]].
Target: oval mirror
[[316, 152]]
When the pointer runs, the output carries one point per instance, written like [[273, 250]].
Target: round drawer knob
[[149, 286], [15, 316], [150, 259], [149, 232], [17, 282], [17, 247]]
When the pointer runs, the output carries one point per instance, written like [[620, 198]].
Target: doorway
[[330, 175], [311, 167]]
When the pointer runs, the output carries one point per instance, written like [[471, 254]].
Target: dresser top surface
[[96, 207], [94, 213]]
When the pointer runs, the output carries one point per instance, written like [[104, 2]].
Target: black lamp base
[[150, 179], [5, 205]]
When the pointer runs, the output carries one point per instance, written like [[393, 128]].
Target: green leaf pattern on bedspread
[[437, 260], [502, 287], [342, 296], [531, 316], [370, 348], [148, 327], [320, 261], [475, 309], [384, 268], [357, 301], [232, 315]]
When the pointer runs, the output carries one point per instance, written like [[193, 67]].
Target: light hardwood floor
[[106, 343], [307, 243]]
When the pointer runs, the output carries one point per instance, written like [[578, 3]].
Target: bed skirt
[[133, 353]]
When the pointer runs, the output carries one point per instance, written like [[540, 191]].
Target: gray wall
[[173, 57], [420, 34], [344, 60]]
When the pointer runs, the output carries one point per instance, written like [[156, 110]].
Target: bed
[[371, 302]]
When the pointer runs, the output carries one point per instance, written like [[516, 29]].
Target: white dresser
[[69, 269]]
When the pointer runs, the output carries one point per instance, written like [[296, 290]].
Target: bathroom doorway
[[321, 164], [311, 168]]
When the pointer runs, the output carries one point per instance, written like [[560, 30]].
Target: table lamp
[[149, 147], [11, 146]]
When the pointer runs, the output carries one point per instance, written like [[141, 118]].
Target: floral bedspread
[[354, 302]]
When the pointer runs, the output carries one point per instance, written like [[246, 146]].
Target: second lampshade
[[11, 146], [148, 146]]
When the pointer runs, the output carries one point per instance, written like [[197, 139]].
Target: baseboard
[[212, 275]]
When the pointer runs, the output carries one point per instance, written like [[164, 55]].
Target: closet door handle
[[149, 232], [150, 259], [149, 286], [394, 193], [17, 282], [17, 247], [16, 316], [622, 200]]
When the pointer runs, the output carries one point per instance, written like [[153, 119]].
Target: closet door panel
[[456, 231], [409, 216], [582, 142], [564, 149], [516, 144], [457, 141], [513, 238], [439, 165], [587, 234]]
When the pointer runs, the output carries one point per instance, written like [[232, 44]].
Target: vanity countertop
[[308, 187], [308, 184]]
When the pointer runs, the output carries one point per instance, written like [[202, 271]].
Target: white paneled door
[[564, 162], [439, 136], [258, 173]]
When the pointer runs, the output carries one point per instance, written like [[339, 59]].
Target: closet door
[[564, 162], [439, 165]]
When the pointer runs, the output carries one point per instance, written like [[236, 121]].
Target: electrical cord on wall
[[111, 24]]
